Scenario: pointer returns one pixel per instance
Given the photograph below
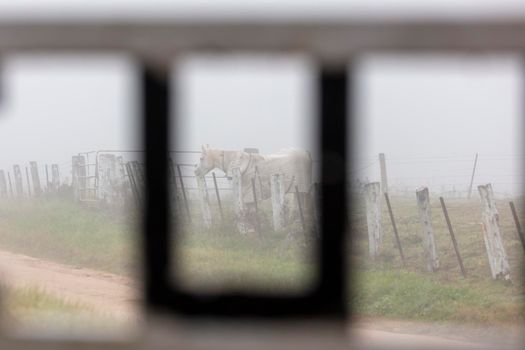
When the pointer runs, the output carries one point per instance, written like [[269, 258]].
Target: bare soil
[[118, 297], [394, 333], [108, 294]]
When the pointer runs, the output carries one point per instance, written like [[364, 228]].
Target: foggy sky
[[430, 115]]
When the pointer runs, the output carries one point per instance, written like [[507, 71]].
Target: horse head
[[206, 162]]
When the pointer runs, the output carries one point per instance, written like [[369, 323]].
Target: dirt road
[[107, 294], [393, 334], [118, 297]]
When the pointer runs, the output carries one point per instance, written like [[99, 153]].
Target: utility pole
[[384, 182], [472, 177]]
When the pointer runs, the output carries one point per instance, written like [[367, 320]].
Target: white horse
[[296, 165]]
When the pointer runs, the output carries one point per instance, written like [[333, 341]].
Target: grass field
[[71, 233], [99, 238], [385, 288], [30, 306]]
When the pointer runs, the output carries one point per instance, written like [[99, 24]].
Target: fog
[[430, 115]]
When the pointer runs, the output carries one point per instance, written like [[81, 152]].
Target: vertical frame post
[[155, 114], [334, 90]]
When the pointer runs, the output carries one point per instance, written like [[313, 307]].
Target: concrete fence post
[[238, 203], [3, 185], [28, 183], [217, 194], [19, 186], [10, 185], [75, 174], [425, 218], [498, 260], [277, 190], [384, 181], [204, 201], [373, 217], [55, 177], [35, 178], [107, 177]]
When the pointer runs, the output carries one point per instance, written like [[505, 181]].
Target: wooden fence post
[[204, 201], [373, 217], [384, 181], [301, 215], [317, 211], [10, 185], [82, 178], [18, 181], [75, 172], [55, 177], [218, 196], [238, 202], [108, 178], [277, 189], [173, 186], [138, 171], [184, 197], [518, 225], [453, 237], [396, 235], [498, 260], [425, 217], [472, 177], [133, 184], [47, 179], [3, 185], [256, 208], [28, 183], [35, 177]]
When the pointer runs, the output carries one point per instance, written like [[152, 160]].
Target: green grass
[[214, 261], [29, 299], [33, 308], [220, 258], [76, 234], [385, 288], [409, 295], [101, 238], [465, 216]]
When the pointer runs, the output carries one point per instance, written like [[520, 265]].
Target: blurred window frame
[[332, 44]]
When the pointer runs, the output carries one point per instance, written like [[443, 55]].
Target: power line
[[363, 168]]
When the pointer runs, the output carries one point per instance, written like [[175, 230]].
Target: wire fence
[[448, 175]]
